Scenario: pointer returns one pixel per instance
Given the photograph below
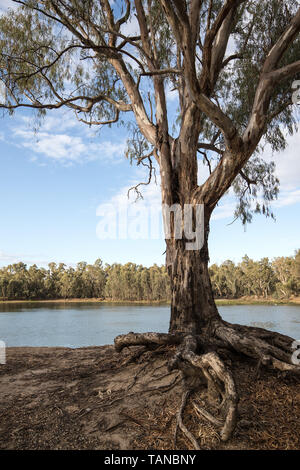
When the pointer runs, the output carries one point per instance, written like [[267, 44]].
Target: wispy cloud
[[224, 211], [57, 146], [288, 198], [123, 216], [9, 258], [30, 259], [63, 140]]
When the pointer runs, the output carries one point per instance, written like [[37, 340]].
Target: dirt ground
[[95, 398]]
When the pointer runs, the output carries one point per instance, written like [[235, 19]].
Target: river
[[89, 324]]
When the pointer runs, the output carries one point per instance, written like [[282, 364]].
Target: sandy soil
[[94, 398]]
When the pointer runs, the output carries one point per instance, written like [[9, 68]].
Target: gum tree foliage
[[232, 64], [77, 54]]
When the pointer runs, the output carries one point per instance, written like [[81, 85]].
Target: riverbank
[[95, 398], [241, 301], [258, 301]]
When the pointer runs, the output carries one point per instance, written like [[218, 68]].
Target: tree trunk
[[196, 328], [203, 340], [192, 302]]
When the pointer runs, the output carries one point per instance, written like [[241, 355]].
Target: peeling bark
[[192, 302]]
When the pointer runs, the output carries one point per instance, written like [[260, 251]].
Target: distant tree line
[[117, 282], [279, 278]]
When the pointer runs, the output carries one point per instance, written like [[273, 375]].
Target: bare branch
[[213, 148], [230, 58], [215, 44], [207, 160], [248, 180], [151, 173], [100, 123], [125, 17], [162, 72]]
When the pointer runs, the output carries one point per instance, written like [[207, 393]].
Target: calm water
[[80, 325]]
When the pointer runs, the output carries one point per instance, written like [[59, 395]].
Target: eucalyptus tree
[[284, 269], [297, 268], [36, 281], [80, 54], [266, 277], [231, 276]]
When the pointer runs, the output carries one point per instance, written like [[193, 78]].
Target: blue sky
[[53, 183]]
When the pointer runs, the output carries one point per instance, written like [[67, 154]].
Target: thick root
[[145, 339], [180, 424], [267, 347], [199, 362], [218, 377], [207, 368]]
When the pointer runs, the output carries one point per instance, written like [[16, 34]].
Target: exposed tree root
[[220, 381], [212, 419], [143, 339], [199, 358], [269, 348], [180, 424]]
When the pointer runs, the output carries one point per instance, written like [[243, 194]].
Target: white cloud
[[131, 27], [55, 146], [224, 211], [288, 163], [288, 172], [288, 198], [63, 139], [64, 122], [5, 4], [123, 217]]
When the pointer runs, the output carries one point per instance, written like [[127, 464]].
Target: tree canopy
[[230, 63]]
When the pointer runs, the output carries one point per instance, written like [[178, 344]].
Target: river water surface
[[91, 324]]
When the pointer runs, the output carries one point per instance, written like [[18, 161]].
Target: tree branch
[[213, 148], [100, 123], [280, 47], [285, 72], [269, 76]]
